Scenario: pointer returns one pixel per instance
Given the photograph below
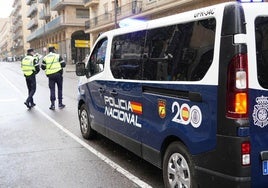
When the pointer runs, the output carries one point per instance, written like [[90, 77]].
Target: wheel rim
[[178, 172], [84, 121]]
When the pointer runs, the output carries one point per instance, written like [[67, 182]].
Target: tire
[[178, 167], [85, 123]]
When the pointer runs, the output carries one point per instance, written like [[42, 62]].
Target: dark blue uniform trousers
[[31, 85], [54, 79]]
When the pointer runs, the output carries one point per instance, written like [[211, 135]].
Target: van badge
[[260, 113], [162, 108]]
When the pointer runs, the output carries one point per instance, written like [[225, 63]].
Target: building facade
[[72, 26], [68, 22], [19, 23], [33, 12], [63, 24], [5, 45]]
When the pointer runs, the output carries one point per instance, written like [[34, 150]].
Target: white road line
[[114, 165]]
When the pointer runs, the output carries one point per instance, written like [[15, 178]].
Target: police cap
[[51, 49], [30, 50]]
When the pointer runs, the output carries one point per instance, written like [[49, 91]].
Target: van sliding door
[[177, 101]]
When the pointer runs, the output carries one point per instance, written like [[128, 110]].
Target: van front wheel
[[178, 167], [85, 123]]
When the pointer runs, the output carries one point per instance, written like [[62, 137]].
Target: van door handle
[[113, 93], [101, 90], [190, 95]]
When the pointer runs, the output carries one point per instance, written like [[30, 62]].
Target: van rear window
[[170, 53], [261, 34]]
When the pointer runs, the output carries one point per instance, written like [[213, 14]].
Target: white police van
[[188, 93]]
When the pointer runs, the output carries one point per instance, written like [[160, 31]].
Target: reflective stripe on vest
[[27, 65], [52, 63]]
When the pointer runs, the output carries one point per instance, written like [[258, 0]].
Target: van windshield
[[261, 37]]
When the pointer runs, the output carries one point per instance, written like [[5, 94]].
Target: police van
[[187, 92]]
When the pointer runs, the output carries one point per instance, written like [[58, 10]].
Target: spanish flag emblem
[[136, 107], [185, 114]]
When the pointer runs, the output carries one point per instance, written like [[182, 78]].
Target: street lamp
[[115, 13]]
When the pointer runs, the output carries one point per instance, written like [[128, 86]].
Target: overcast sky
[[5, 8]]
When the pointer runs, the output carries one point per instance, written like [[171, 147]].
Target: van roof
[[200, 13], [196, 14]]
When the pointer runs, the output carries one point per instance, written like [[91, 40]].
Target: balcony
[[16, 5], [63, 21], [43, 1], [32, 9], [17, 26], [16, 19], [32, 23], [44, 15], [36, 34], [56, 5], [127, 10], [17, 35], [56, 24], [91, 3], [99, 21]]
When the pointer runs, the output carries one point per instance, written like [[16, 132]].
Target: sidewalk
[[70, 68]]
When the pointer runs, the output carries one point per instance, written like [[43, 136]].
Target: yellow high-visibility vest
[[52, 63], [27, 65]]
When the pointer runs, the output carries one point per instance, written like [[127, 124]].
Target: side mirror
[[80, 69]]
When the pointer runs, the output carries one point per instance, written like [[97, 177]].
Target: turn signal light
[[241, 103]]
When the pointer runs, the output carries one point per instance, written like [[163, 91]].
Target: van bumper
[[210, 178], [222, 167]]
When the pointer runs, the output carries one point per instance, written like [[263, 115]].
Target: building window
[[105, 7], [82, 13]]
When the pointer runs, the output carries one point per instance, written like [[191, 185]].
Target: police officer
[[53, 65], [30, 68]]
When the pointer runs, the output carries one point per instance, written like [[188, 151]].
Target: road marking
[[111, 163]]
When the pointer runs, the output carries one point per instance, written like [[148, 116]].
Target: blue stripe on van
[[259, 135], [188, 112]]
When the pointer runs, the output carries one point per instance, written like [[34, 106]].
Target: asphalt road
[[44, 148]]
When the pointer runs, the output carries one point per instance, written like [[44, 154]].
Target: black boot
[[61, 106], [27, 104], [52, 106], [32, 104]]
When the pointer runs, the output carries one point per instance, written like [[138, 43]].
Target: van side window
[[261, 38], [179, 52], [171, 53], [126, 62], [96, 60]]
